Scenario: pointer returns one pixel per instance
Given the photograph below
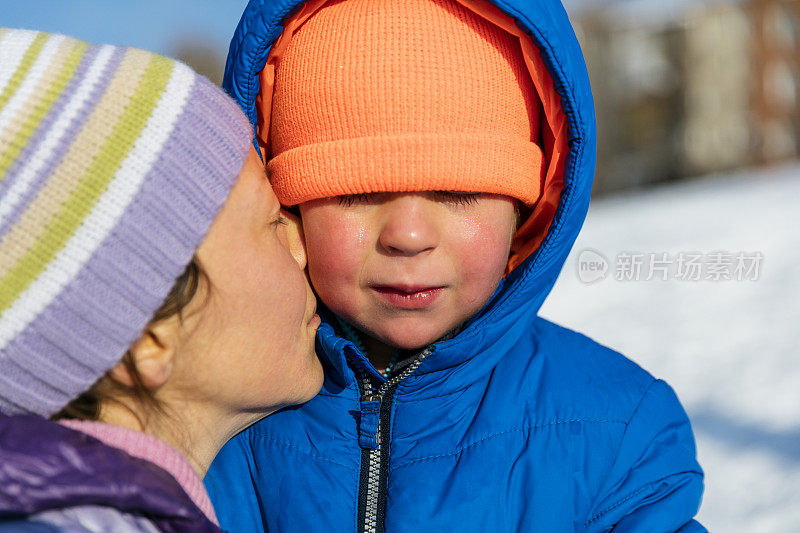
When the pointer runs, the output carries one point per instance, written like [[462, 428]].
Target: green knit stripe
[[92, 185], [22, 70], [74, 54]]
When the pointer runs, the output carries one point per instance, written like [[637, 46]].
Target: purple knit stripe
[[105, 308], [69, 135]]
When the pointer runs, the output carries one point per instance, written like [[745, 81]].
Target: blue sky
[[157, 25]]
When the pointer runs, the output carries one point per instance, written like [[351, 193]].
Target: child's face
[[408, 267]]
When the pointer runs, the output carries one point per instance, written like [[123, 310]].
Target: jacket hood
[[45, 466], [556, 64]]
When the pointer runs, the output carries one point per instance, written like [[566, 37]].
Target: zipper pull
[[368, 424]]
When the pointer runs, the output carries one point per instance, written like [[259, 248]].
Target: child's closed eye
[[451, 197], [350, 199], [457, 197]]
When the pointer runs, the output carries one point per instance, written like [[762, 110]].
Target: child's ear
[[152, 356]]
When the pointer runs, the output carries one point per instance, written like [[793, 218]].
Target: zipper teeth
[[405, 373], [373, 472], [373, 484], [376, 456]]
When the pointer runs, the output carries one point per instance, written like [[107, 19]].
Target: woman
[[114, 163]]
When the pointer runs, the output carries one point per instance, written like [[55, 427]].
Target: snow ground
[[731, 349]]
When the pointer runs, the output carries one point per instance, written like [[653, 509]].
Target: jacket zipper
[[375, 459]]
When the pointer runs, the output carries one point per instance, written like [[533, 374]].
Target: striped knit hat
[[113, 164], [403, 95]]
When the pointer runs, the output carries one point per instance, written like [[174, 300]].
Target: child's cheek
[[337, 246], [483, 252]]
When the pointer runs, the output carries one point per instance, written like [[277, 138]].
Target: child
[[441, 153]]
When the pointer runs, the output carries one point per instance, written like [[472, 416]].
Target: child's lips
[[407, 296]]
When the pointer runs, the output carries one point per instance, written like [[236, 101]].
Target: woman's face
[[248, 341]]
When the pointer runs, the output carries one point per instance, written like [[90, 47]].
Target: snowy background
[[731, 349]]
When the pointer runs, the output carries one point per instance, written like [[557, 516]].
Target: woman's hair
[[87, 405]]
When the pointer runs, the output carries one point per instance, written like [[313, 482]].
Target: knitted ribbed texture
[[402, 95], [113, 164]]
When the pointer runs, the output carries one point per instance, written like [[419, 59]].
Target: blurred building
[[777, 65], [690, 87]]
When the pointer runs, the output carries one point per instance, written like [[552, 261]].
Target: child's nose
[[408, 226]]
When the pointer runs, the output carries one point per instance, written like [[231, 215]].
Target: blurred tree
[[202, 57]]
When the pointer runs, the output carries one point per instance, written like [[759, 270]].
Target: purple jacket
[[50, 474]]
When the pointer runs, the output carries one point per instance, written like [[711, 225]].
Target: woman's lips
[[408, 297], [315, 320]]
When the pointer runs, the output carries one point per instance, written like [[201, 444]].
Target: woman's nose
[[409, 226], [295, 239]]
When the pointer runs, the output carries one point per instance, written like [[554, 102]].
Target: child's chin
[[410, 346], [409, 333], [413, 341]]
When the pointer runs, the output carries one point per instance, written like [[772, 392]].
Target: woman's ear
[[153, 355]]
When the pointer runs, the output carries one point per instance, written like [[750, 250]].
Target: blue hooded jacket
[[515, 424]]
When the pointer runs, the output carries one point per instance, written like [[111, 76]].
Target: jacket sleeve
[[24, 526], [80, 519], [655, 484]]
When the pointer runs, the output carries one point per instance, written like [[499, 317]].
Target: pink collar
[[151, 449]]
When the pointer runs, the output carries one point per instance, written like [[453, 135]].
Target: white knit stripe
[[12, 49], [54, 135], [104, 216], [31, 81]]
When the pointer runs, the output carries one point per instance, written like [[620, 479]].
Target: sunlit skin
[[407, 268], [244, 346]]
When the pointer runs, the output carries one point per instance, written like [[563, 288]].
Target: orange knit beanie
[[403, 95]]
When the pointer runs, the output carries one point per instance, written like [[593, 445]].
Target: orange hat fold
[[403, 95]]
